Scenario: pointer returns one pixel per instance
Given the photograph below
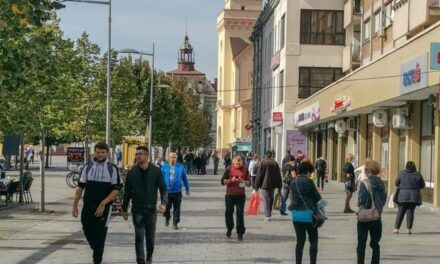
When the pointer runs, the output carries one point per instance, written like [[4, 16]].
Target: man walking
[[215, 160], [268, 178], [142, 183], [174, 175], [101, 181]]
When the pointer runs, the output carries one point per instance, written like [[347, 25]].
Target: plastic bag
[[254, 204], [391, 203]]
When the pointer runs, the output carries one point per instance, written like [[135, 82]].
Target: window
[[389, 15], [322, 27], [281, 87], [313, 79], [377, 24], [367, 26], [282, 33]]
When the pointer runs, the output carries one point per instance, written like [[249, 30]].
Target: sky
[[138, 24]]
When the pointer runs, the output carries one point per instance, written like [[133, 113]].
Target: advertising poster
[[75, 155], [296, 140]]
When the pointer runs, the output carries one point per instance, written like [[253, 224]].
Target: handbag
[[368, 215], [254, 204], [303, 216], [318, 217], [286, 177], [277, 201]]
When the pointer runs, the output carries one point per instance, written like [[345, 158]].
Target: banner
[[75, 155]]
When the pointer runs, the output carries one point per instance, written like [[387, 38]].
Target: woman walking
[[236, 177], [303, 197], [371, 190], [409, 184], [349, 183]]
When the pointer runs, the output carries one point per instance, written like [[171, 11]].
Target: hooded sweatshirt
[[378, 191]]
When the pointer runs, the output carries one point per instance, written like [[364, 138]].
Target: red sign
[[277, 116], [340, 105]]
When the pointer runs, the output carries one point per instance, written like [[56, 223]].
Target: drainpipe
[[371, 30], [361, 44]]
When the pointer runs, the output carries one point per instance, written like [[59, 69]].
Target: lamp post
[[109, 90]]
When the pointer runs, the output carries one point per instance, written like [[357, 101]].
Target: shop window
[[427, 144], [322, 27], [313, 79]]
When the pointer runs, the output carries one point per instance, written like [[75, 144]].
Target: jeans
[[144, 221], [267, 195], [285, 194], [238, 203], [174, 200], [95, 230], [300, 231], [375, 229], [407, 208], [189, 167]]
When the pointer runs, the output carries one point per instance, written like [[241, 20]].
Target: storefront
[[386, 110]]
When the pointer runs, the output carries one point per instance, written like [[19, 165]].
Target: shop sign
[[340, 105], [307, 115], [277, 116], [296, 140], [414, 74], [435, 56]]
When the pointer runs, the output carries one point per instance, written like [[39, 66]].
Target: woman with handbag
[[349, 182], [372, 197], [303, 197], [408, 196], [236, 177]]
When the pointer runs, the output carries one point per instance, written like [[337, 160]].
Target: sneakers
[[167, 222], [240, 237], [175, 227], [396, 231], [408, 231], [284, 213], [267, 219], [228, 233], [348, 211]]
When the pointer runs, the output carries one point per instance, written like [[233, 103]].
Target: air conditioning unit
[[402, 118], [340, 127], [380, 118], [351, 123]]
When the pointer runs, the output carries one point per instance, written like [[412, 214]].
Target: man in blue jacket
[[174, 175]]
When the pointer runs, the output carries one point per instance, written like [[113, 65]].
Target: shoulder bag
[[368, 215], [318, 218]]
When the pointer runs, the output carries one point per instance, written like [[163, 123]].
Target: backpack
[[255, 168]]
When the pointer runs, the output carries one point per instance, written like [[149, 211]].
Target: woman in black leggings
[[304, 196], [409, 196]]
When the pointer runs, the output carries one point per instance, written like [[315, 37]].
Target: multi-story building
[[198, 84], [388, 108], [298, 49], [235, 52]]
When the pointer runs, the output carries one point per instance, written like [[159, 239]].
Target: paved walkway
[[28, 236]]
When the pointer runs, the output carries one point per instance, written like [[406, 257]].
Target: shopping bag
[[254, 204], [277, 201], [391, 203]]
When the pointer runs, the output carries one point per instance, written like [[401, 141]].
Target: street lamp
[[150, 112], [109, 90]]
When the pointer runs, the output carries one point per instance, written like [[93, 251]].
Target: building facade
[[387, 109], [198, 84], [298, 49], [235, 52]]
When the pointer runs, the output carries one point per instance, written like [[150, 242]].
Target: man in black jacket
[[142, 183]]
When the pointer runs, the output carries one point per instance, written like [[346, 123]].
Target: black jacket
[[308, 192], [142, 186], [268, 175], [409, 183]]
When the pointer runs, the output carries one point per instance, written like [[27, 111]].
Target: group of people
[[101, 183]]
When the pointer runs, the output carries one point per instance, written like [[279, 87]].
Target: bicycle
[[72, 178]]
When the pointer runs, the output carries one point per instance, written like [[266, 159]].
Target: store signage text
[[340, 105], [435, 56], [414, 74], [307, 115]]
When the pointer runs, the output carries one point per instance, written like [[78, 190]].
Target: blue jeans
[[144, 221]]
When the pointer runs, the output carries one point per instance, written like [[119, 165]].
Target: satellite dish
[[340, 126], [380, 118]]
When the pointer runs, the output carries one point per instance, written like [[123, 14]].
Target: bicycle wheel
[[75, 179], [69, 179]]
